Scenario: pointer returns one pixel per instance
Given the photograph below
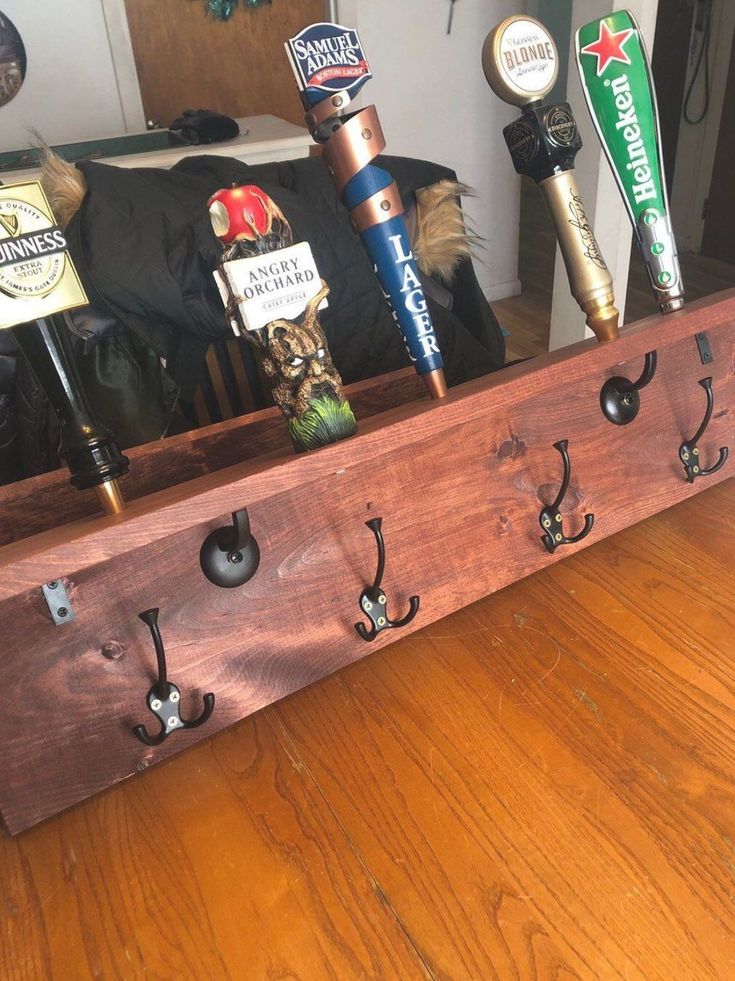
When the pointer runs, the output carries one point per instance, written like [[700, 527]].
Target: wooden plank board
[[577, 371], [459, 485], [31, 506]]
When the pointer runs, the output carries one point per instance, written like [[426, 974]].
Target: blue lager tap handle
[[330, 68]]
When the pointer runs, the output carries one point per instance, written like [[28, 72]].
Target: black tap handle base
[[544, 140], [88, 448]]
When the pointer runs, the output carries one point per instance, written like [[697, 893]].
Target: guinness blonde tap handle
[[520, 62]]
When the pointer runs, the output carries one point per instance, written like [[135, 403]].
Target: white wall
[[434, 103], [72, 89], [556, 16]]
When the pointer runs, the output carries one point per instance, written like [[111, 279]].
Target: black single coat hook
[[230, 556], [373, 600], [164, 698], [689, 451], [550, 517], [619, 398]]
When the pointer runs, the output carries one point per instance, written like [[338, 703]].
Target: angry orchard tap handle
[[520, 62], [330, 68]]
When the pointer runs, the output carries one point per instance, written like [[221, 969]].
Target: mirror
[[12, 60]]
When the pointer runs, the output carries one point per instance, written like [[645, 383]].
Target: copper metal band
[[110, 497], [353, 146], [379, 207], [436, 383], [323, 110]]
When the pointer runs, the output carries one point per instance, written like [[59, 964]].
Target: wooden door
[[718, 240], [188, 60]]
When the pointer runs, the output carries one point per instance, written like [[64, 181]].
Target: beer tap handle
[[88, 448], [39, 285], [520, 62], [330, 68], [617, 83]]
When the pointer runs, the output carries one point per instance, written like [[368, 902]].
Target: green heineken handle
[[618, 86]]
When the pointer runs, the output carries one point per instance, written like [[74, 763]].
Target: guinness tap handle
[[88, 448], [520, 62], [38, 286]]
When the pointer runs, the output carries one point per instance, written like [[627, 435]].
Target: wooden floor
[[540, 786], [526, 317]]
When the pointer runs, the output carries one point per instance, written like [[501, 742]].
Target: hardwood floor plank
[[543, 783], [227, 863]]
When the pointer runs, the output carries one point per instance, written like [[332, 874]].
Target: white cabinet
[[262, 139]]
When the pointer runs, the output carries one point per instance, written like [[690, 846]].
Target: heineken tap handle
[[330, 68], [618, 86], [520, 62]]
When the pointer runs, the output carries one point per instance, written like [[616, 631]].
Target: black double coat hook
[[550, 517], [689, 451], [164, 698], [373, 601]]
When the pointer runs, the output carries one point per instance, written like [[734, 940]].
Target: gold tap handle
[[589, 278]]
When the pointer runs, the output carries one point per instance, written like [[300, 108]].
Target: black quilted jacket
[[144, 247]]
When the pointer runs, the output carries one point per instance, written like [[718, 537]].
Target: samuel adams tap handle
[[520, 62], [330, 68]]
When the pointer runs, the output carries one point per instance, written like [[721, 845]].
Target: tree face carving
[[293, 354], [297, 358]]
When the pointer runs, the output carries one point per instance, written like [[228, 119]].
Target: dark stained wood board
[[187, 58], [459, 485], [34, 505]]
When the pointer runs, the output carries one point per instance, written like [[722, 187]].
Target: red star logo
[[609, 47]]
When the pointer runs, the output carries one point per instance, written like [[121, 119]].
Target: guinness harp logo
[[37, 276], [10, 223]]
